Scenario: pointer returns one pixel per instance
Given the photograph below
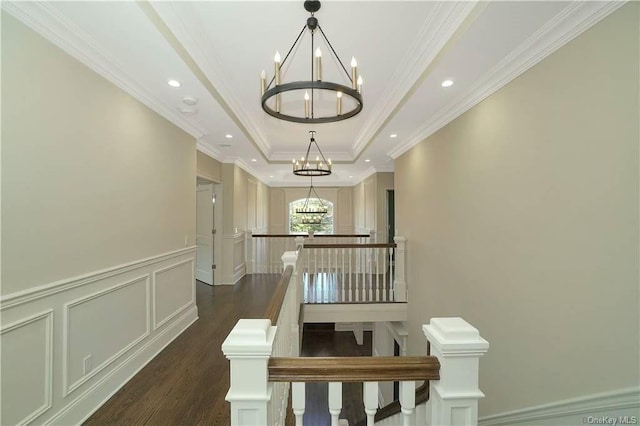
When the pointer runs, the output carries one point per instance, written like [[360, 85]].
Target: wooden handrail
[[341, 235], [314, 236], [394, 407], [353, 369], [355, 245], [276, 235], [273, 311]]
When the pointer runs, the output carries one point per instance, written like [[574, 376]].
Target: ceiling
[[217, 49]]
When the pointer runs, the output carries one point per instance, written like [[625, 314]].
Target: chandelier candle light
[[306, 167], [311, 89]]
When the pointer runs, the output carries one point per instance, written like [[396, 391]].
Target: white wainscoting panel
[[172, 291], [26, 392], [234, 265], [67, 346], [95, 335]]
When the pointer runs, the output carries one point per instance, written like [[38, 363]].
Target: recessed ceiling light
[[350, 176], [393, 135], [367, 160], [447, 83], [188, 110], [174, 83], [189, 100], [254, 160], [270, 176], [228, 136]]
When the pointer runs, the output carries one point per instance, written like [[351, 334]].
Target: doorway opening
[[208, 197]]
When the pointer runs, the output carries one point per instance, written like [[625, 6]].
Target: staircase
[[266, 366]]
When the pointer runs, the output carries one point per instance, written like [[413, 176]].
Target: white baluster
[[392, 277], [399, 284], [370, 265], [370, 397], [298, 401], [335, 401], [350, 275], [407, 402], [377, 274], [343, 284], [384, 276]]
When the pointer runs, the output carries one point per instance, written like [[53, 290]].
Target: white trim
[[55, 27], [350, 326], [205, 148], [433, 36], [354, 312], [68, 388], [189, 34], [48, 360], [609, 402], [191, 302], [90, 400], [564, 27], [24, 296]]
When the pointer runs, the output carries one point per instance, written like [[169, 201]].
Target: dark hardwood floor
[[187, 382], [321, 340]]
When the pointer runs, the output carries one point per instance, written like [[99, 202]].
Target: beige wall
[[91, 178], [208, 168], [522, 217], [341, 197]]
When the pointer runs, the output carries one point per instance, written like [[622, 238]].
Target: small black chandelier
[[307, 167], [313, 210], [352, 93]]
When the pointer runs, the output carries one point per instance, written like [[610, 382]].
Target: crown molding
[[246, 167], [336, 156], [436, 31], [572, 21], [209, 150], [188, 31], [53, 26]]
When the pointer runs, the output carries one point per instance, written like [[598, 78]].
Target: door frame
[[217, 225]]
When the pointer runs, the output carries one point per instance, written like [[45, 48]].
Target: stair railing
[[451, 371]]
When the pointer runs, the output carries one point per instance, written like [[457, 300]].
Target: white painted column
[[291, 258], [248, 348], [399, 283], [453, 400]]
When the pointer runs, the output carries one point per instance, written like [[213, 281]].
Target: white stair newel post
[[453, 400], [248, 348], [290, 258], [399, 283]]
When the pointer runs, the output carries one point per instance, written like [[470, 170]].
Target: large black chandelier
[[313, 210], [348, 99], [308, 167]]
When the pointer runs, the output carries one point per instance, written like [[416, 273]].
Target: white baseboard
[[239, 272], [590, 409], [93, 398]]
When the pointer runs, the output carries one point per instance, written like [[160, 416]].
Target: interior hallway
[[187, 382]]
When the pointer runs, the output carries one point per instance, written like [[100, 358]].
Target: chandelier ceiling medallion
[[315, 100], [313, 210], [307, 167]]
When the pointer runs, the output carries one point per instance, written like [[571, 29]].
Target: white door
[[204, 233]]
